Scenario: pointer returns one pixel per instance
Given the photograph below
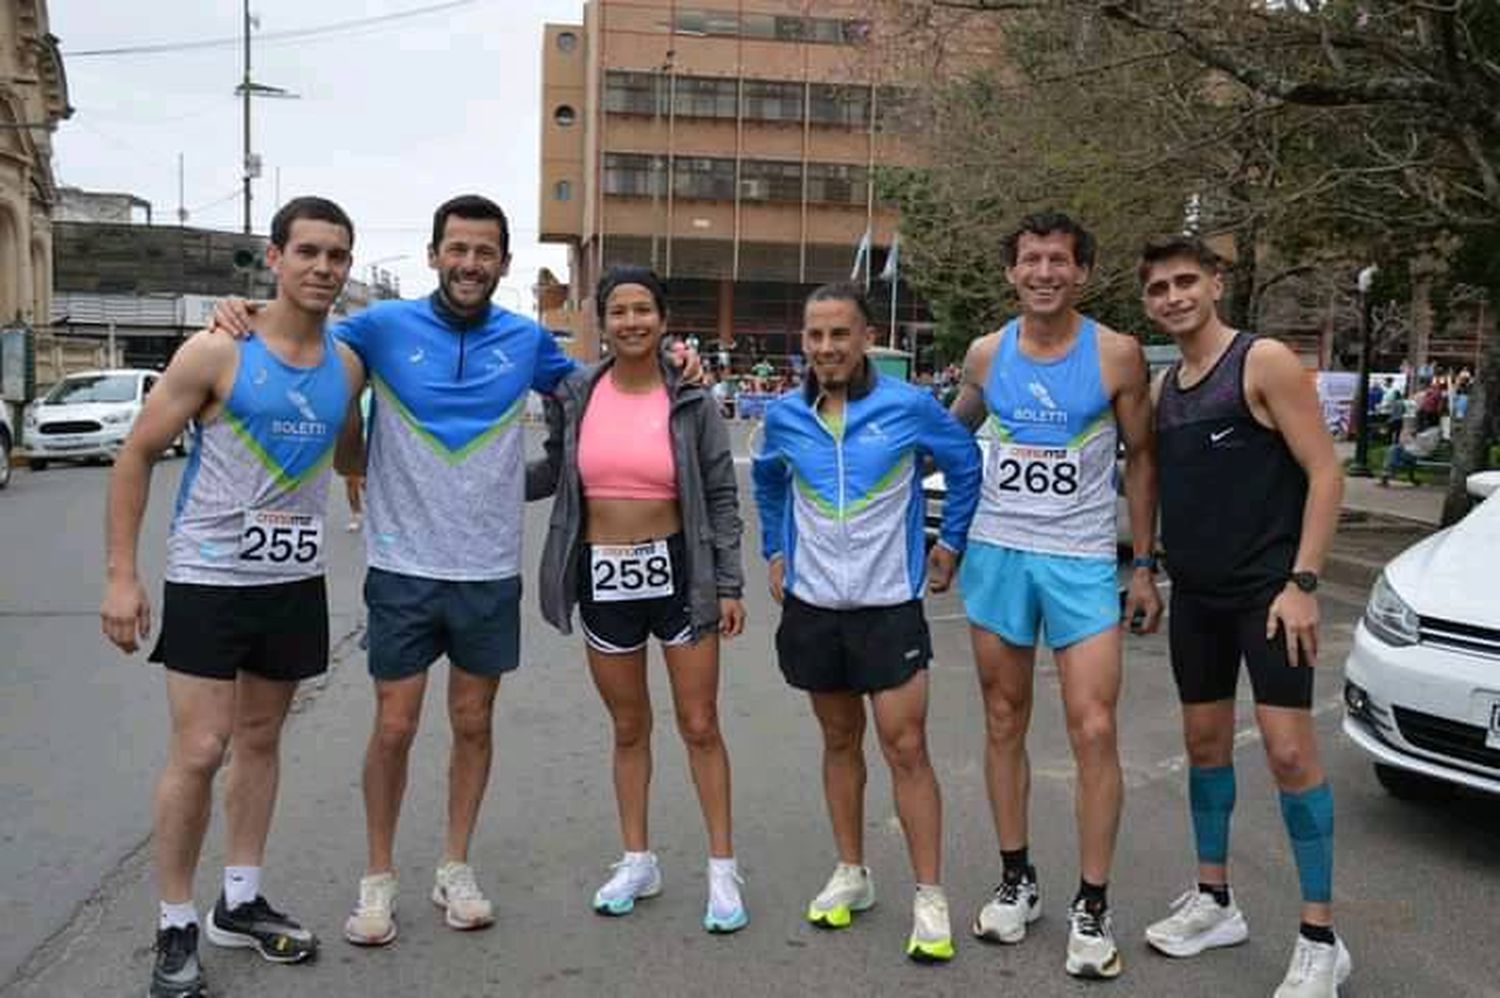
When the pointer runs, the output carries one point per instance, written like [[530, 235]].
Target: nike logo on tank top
[[1049, 444], [251, 505]]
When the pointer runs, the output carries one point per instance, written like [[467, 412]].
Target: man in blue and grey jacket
[[838, 484]]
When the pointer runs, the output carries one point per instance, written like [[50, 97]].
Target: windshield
[[93, 388]]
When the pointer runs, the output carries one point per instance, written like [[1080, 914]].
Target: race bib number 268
[[274, 541], [1035, 476]]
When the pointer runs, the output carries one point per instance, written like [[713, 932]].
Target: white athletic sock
[[934, 891], [638, 859], [241, 885], [723, 886], [177, 916]]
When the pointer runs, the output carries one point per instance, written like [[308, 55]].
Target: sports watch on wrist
[[1146, 561], [1305, 581]]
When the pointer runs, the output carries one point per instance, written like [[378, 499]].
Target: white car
[[86, 416], [1422, 682]]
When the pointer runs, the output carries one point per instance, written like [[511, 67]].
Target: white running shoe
[[851, 889], [1197, 923], [373, 921], [633, 880], [1004, 917], [457, 893], [1091, 944], [1317, 970], [931, 938], [726, 909]]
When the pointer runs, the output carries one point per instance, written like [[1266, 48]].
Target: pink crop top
[[625, 445]]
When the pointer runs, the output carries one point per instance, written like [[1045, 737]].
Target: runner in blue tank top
[[245, 615], [1049, 395]]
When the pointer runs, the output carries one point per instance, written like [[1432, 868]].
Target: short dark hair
[[1046, 223], [627, 274], [313, 209], [474, 207], [1174, 246], [844, 291]]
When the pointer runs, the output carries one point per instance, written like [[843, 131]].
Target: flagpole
[[895, 281]]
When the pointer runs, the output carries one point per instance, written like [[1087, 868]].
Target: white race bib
[[275, 541], [1041, 478], [630, 571]]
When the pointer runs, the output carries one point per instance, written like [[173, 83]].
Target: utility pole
[[245, 92]]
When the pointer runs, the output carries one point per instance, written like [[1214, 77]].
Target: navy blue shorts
[[414, 620]]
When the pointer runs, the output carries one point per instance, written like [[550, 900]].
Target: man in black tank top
[[1250, 490]]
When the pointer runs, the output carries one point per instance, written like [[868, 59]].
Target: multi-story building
[[730, 145]]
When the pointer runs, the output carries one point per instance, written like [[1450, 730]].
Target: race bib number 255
[[274, 541]]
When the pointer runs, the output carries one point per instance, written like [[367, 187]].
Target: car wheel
[[1403, 784], [37, 464], [4, 459]]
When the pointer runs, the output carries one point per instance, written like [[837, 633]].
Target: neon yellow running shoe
[[849, 890], [931, 938]]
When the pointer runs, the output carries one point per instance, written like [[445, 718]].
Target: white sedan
[[1422, 682]]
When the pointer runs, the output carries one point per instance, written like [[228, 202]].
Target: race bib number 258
[[630, 572], [1035, 476], [274, 541]]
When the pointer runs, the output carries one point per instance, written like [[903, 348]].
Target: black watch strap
[[1305, 581], [1146, 561]]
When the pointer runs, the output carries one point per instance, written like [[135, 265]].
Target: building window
[[705, 96], [827, 30], [633, 175], [702, 177], [839, 104], [763, 180], [771, 100], [634, 93], [564, 115], [562, 191], [837, 183], [566, 41]]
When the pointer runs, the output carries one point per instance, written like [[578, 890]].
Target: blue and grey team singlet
[[1049, 443], [251, 506]]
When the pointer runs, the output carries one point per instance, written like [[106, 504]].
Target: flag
[[892, 269], [861, 256]]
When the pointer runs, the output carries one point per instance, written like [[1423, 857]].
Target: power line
[[272, 36]]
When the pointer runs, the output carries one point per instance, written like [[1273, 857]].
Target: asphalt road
[[82, 737]]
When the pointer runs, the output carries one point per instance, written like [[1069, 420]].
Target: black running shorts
[[862, 650], [615, 624], [277, 631], [1209, 639]]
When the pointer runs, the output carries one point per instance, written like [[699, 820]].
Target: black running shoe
[[256, 925], [177, 973]]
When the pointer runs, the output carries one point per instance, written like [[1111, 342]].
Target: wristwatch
[[1146, 561], [1305, 581]]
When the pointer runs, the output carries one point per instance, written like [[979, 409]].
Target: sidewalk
[[1418, 503]]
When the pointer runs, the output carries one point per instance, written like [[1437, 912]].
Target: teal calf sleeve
[[1211, 798], [1309, 823]]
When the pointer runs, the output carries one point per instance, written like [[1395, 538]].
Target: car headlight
[[30, 419], [1388, 616], [115, 418]]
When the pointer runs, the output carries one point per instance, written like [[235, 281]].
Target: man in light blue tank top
[[245, 615], [1050, 396]]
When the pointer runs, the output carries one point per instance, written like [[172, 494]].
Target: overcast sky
[[392, 119]]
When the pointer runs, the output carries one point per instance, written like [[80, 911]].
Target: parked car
[[1422, 681], [7, 440], [87, 416]]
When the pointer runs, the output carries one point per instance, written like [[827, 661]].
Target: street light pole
[[1361, 466]]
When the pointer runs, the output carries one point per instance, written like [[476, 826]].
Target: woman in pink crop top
[[644, 539]]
